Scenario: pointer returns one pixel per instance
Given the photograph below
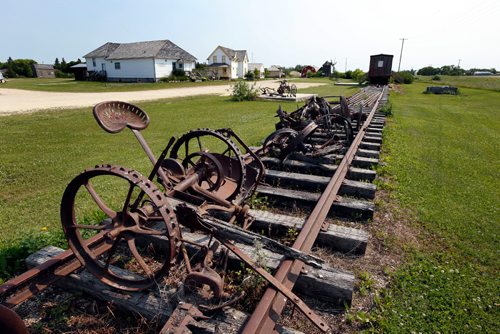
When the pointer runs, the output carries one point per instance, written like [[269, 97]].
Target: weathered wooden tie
[[154, 304], [346, 207], [337, 238]]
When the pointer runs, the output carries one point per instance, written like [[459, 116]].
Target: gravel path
[[13, 101]]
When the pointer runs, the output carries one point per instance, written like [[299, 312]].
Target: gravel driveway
[[14, 101]]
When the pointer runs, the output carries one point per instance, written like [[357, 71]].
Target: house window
[[380, 63], [117, 66], [93, 62], [181, 65], [215, 59], [223, 59]]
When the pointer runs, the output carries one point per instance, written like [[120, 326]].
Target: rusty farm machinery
[[284, 89], [130, 230]]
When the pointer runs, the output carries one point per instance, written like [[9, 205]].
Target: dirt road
[[13, 101]]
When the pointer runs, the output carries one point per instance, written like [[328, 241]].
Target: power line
[[401, 54]]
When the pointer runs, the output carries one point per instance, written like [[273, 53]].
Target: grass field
[[43, 151], [492, 83], [442, 152]]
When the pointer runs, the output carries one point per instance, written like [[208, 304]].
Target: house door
[[174, 66], [103, 67]]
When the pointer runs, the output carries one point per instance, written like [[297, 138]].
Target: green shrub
[[436, 78], [242, 91], [357, 75], [178, 72], [250, 76], [403, 77], [61, 74]]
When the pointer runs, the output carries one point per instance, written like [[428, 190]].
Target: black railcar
[[380, 69]]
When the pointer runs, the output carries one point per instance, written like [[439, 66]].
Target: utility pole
[[401, 54], [459, 63], [345, 68]]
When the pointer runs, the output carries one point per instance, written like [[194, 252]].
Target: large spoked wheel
[[225, 151], [132, 217], [279, 143], [209, 168], [293, 90]]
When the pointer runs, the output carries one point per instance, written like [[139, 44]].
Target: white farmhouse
[[138, 62], [228, 63]]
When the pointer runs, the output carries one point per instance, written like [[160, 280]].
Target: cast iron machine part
[[142, 229]]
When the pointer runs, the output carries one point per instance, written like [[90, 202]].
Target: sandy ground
[[13, 101]]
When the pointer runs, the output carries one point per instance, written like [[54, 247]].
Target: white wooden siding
[[131, 68]]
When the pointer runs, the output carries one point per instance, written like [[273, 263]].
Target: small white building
[[275, 72], [138, 62], [258, 66], [228, 63]]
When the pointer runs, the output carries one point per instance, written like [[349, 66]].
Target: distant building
[[482, 73], [327, 69], [80, 71], [275, 72], [138, 62], [258, 66], [228, 63], [43, 71]]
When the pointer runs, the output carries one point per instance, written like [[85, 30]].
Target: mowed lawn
[[41, 152], [443, 153]]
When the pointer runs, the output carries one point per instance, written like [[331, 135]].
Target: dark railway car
[[380, 69]]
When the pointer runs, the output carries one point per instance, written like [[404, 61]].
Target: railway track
[[301, 190]]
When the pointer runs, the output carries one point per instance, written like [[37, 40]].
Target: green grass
[[491, 83], [442, 150], [70, 85], [40, 153]]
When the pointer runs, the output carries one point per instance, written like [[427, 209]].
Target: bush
[[403, 77], [250, 76], [357, 75], [61, 74], [436, 78], [242, 91], [178, 72]]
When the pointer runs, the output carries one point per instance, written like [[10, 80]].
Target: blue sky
[[281, 32]]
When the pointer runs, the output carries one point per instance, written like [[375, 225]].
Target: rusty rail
[[37, 279], [269, 309]]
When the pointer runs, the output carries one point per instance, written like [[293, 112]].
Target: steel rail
[[37, 279], [269, 309]]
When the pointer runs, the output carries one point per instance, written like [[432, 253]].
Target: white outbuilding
[[138, 62]]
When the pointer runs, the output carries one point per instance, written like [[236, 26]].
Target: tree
[[429, 70], [357, 74], [256, 73], [64, 65], [57, 65]]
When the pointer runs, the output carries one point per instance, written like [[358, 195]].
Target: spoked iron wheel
[[279, 143], [225, 151], [211, 169], [293, 90], [132, 215]]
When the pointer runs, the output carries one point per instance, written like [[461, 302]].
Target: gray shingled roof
[[102, 51], [43, 66], [239, 54], [163, 49]]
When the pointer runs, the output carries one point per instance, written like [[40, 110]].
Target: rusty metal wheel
[[223, 149], [134, 218], [212, 173], [293, 90], [278, 143]]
